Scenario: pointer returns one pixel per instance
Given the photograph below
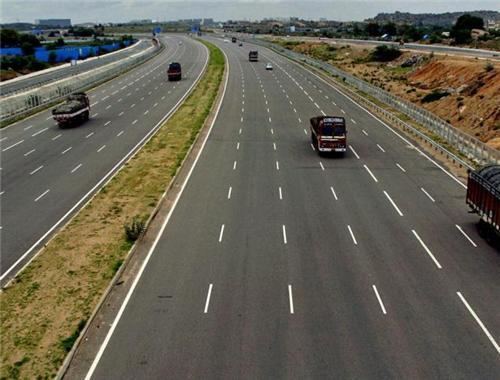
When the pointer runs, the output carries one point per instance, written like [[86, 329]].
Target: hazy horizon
[[167, 10]]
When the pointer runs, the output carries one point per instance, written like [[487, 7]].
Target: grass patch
[[45, 308]]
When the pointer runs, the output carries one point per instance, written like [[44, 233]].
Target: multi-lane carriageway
[[48, 173], [278, 263]]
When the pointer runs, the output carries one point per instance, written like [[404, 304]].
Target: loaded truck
[[174, 71], [73, 111], [253, 56], [483, 197], [328, 134]]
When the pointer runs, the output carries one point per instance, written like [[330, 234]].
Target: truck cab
[[329, 134], [174, 71]]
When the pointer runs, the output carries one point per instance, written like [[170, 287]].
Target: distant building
[[54, 22]]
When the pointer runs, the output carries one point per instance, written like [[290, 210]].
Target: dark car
[[174, 71]]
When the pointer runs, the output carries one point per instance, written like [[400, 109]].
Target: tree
[[462, 28], [384, 53], [372, 29], [60, 41], [52, 57], [9, 38], [389, 28]]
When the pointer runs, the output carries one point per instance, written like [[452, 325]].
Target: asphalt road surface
[[278, 263], [25, 83], [48, 173]]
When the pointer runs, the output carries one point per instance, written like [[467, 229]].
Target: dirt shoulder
[[45, 308], [465, 92]]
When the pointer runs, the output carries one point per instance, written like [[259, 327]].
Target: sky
[[164, 10]]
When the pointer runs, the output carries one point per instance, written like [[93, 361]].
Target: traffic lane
[[362, 197], [81, 67], [30, 125], [13, 243], [181, 267]]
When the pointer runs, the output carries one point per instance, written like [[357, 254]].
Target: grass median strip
[[43, 311]]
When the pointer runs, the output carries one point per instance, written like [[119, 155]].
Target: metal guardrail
[[18, 104], [467, 145]]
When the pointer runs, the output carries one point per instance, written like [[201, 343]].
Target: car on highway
[[226, 41], [269, 66], [174, 71], [240, 44]]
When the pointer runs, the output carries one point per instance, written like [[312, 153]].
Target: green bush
[[384, 53], [134, 229]]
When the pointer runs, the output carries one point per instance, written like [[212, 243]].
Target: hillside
[[437, 19]]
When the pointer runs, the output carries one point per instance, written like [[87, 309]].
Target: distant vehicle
[[174, 71], [180, 42], [269, 66], [73, 111], [329, 134], [233, 40], [226, 41], [240, 44], [483, 197], [253, 56]]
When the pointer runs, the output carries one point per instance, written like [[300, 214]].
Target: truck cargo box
[[483, 194]]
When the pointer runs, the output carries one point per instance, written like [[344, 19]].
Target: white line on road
[[402, 169], [272, 131], [239, 132], [426, 249], [428, 195], [89, 135], [234, 165], [37, 169], [66, 150], [365, 133], [95, 115], [56, 137], [277, 165], [321, 164], [12, 146], [270, 119], [300, 120], [466, 236], [341, 110], [207, 302], [119, 134], [108, 107], [379, 299], [317, 106], [101, 148], [135, 121], [323, 113], [42, 195], [229, 192], [382, 149], [312, 147], [237, 146], [280, 193], [284, 234], [305, 131], [40, 131], [107, 123], [370, 172], [28, 127], [290, 298], [154, 105], [146, 112], [121, 113], [393, 203], [334, 193], [133, 105], [352, 150], [354, 121], [28, 153], [76, 168], [479, 322], [221, 233], [352, 235], [274, 146]]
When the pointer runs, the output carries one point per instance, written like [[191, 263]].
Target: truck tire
[[86, 115]]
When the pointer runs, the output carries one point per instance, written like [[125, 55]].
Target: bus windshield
[[331, 129]]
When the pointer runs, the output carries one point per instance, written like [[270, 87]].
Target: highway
[[278, 263], [435, 48], [37, 79], [48, 173]]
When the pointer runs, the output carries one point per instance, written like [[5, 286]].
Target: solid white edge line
[[207, 302], [479, 322], [379, 299], [352, 235], [160, 233], [466, 236], [290, 299], [393, 203], [285, 241], [427, 249]]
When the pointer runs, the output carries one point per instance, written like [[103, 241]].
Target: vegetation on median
[[48, 304]]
